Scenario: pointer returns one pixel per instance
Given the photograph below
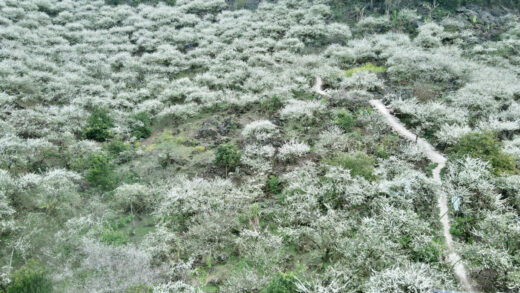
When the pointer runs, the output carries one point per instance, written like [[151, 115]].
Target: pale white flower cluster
[[259, 157], [413, 276], [293, 149], [303, 110], [261, 130], [449, 134]]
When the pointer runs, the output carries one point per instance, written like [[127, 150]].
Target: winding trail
[[433, 155], [453, 259]]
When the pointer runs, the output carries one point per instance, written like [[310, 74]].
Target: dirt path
[[318, 88], [433, 155]]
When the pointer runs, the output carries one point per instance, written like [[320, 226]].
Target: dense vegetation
[[178, 146]]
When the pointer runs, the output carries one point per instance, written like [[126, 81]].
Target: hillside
[[242, 146]]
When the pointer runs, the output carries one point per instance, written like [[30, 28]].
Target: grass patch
[[487, 147], [370, 67], [359, 164]]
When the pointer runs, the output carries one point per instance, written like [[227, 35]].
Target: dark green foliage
[[428, 253], [429, 169], [462, 227], [344, 120], [227, 156], [273, 185], [359, 164], [30, 279], [99, 125], [389, 144], [137, 2], [283, 283], [116, 147], [382, 153], [100, 171], [486, 147], [272, 104], [142, 125]]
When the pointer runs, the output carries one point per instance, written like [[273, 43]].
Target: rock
[[214, 129], [209, 129], [226, 126]]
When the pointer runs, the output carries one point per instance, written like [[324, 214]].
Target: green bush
[[227, 156], [487, 147], [116, 147], [359, 164], [30, 279], [428, 253], [429, 169], [141, 125], [283, 283], [99, 125], [388, 145], [462, 227], [273, 185], [272, 104], [100, 172], [344, 120]]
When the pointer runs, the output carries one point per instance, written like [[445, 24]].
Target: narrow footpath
[[433, 155], [453, 259]]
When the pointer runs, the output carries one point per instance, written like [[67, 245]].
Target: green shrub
[[428, 253], [487, 147], [116, 238], [227, 156], [116, 147], [389, 144], [381, 152], [429, 169], [99, 125], [462, 227], [344, 120], [141, 127], [273, 104], [100, 172], [30, 279], [359, 164], [283, 283], [273, 185]]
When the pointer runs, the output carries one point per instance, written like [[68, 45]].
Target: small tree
[[283, 283], [227, 156], [141, 125], [100, 172], [99, 125], [273, 185], [344, 120], [30, 279]]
